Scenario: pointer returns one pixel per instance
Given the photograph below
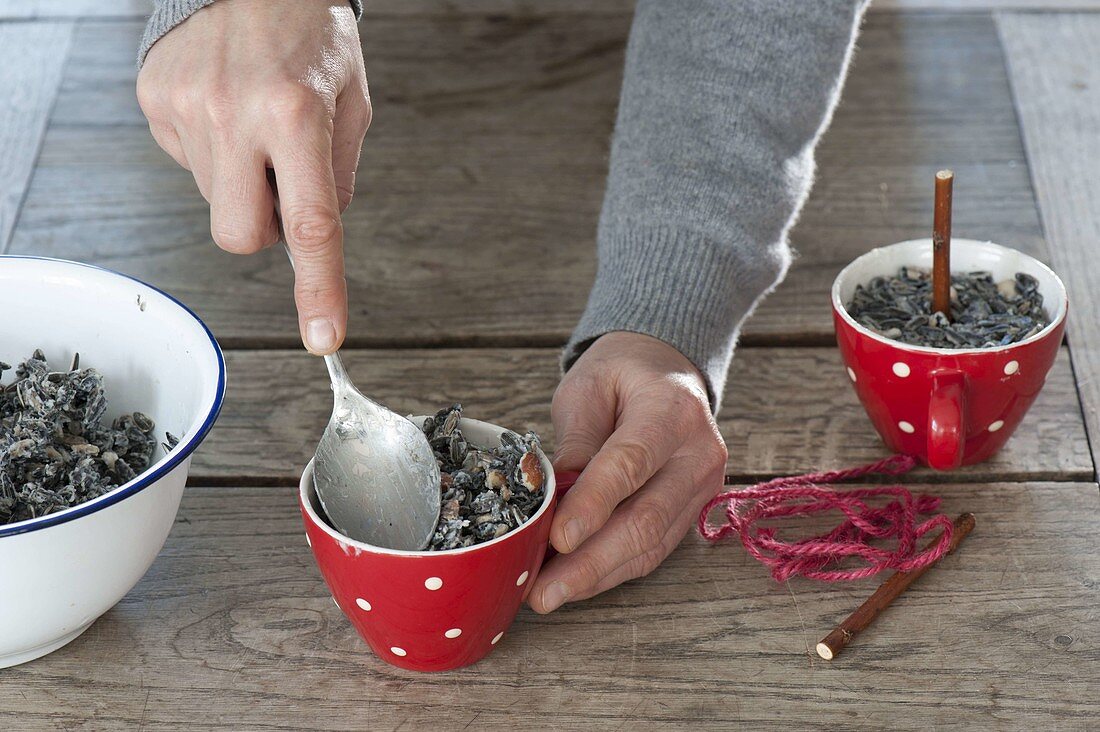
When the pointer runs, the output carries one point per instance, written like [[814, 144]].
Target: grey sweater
[[723, 102]]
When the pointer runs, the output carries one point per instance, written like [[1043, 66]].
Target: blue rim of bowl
[[144, 480]]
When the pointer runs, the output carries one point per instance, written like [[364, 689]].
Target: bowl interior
[[476, 432], [155, 355]]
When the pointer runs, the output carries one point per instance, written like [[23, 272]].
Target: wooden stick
[[832, 644], [941, 245]]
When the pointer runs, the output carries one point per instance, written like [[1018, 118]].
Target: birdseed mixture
[[54, 451], [486, 491], [984, 313]]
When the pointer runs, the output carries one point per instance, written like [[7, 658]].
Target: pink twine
[[805, 494]]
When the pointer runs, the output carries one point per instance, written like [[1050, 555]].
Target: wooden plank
[[233, 628], [787, 410], [32, 56], [488, 154], [1058, 97]]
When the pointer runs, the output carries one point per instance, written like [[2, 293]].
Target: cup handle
[[563, 481], [946, 419]]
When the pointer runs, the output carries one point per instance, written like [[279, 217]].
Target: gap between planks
[[476, 341]]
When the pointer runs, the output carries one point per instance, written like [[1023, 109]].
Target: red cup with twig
[[947, 407]]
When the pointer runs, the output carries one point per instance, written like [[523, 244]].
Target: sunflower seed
[[984, 313], [486, 491]]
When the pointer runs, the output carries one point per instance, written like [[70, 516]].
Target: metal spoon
[[374, 471]]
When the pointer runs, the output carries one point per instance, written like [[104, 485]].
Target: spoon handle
[[336, 371]]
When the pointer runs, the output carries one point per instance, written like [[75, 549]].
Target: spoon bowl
[[375, 473]]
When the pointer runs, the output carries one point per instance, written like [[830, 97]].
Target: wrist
[[680, 287]]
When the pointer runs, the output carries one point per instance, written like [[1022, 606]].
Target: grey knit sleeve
[[722, 105], [167, 14]]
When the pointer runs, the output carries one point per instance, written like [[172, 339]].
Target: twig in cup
[[832, 644], [941, 245]]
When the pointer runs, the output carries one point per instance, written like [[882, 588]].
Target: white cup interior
[[967, 255]]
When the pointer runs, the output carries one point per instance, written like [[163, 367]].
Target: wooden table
[[488, 152]]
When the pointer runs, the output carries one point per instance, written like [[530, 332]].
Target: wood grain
[[1058, 97], [787, 410], [484, 172], [233, 628], [32, 56]]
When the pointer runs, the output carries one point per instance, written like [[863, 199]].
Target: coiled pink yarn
[[817, 557]]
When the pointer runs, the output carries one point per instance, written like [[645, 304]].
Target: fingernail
[[573, 532], [320, 335], [554, 595]]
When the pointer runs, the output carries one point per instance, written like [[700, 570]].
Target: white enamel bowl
[[60, 572]]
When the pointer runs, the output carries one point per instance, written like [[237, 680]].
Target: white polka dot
[[453, 632], [997, 425], [522, 578], [901, 369], [497, 637], [851, 374], [363, 604], [1012, 367], [397, 651], [906, 427], [308, 542], [433, 583]]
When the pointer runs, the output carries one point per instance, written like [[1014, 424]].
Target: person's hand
[[633, 414], [246, 85]]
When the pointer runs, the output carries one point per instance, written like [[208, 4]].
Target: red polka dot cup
[[431, 611], [947, 407]]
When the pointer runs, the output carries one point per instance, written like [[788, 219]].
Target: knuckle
[[149, 98], [576, 386], [718, 453], [651, 560], [344, 195], [588, 573], [237, 240], [648, 523], [360, 109], [697, 408], [633, 460], [295, 103], [688, 408], [323, 292], [183, 99], [575, 447], [221, 114], [368, 116], [312, 232]]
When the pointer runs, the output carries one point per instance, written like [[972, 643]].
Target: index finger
[[311, 223]]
